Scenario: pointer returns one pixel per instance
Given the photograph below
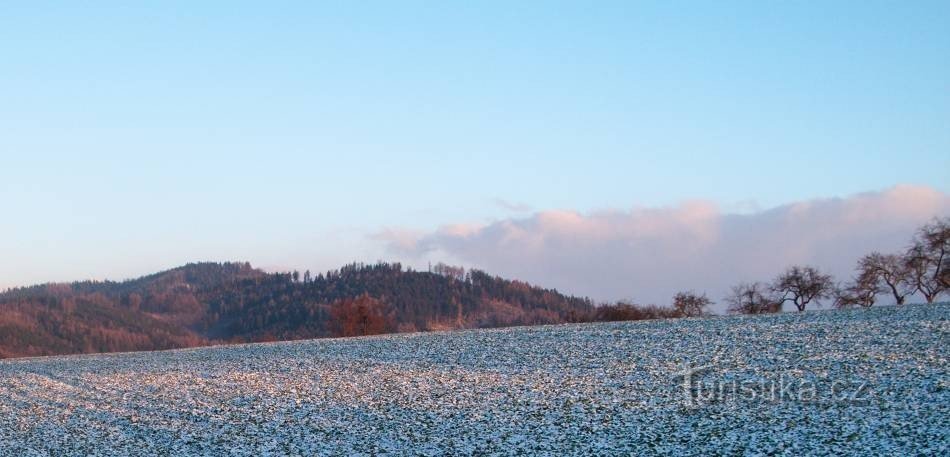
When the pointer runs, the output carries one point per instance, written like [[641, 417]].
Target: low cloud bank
[[647, 254]]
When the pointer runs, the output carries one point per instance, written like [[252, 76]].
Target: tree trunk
[[897, 296]]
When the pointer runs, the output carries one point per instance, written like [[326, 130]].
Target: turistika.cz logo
[[699, 388]]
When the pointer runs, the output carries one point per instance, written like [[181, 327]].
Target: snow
[[558, 390]]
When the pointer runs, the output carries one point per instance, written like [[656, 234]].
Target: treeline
[[923, 268]]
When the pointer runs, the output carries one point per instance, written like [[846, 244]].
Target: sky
[[138, 137]]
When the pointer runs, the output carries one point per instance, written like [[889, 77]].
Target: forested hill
[[207, 303]]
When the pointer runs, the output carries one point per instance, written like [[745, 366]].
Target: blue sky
[[136, 137]]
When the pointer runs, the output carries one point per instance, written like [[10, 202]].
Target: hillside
[[851, 382], [206, 303]]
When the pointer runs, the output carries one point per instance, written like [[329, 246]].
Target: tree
[[862, 291], [752, 298], [802, 285], [889, 269], [449, 271], [936, 237], [626, 311], [363, 315], [134, 301], [690, 304], [924, 274], [928, 259]]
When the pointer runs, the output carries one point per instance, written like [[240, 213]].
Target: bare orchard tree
[[844, 298], [691, 304], [933, 239], [862, 291], [802, 285], [890, 271], [752, 298], [924, 272]]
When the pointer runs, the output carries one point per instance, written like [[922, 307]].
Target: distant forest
[[208, 303]]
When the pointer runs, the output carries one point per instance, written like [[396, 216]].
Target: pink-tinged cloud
[[647, 254]]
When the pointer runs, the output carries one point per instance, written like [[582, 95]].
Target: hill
[[207, 303]]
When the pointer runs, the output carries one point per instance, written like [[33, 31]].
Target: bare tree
[[802, 285], [691, 304], [929, 257], [752, 298], [924, 272], [862, 291], [889, 269], [449, 271], [843, 298]]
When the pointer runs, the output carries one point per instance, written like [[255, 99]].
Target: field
[[835, 382]]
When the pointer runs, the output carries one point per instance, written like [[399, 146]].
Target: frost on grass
[[848, 382]]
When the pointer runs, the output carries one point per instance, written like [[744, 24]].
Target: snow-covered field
[[842, 382]]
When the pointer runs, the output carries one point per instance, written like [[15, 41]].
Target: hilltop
[[206, 303]]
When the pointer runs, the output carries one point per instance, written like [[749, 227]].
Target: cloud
[[647, 254], [516, 207], [402, 241]]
